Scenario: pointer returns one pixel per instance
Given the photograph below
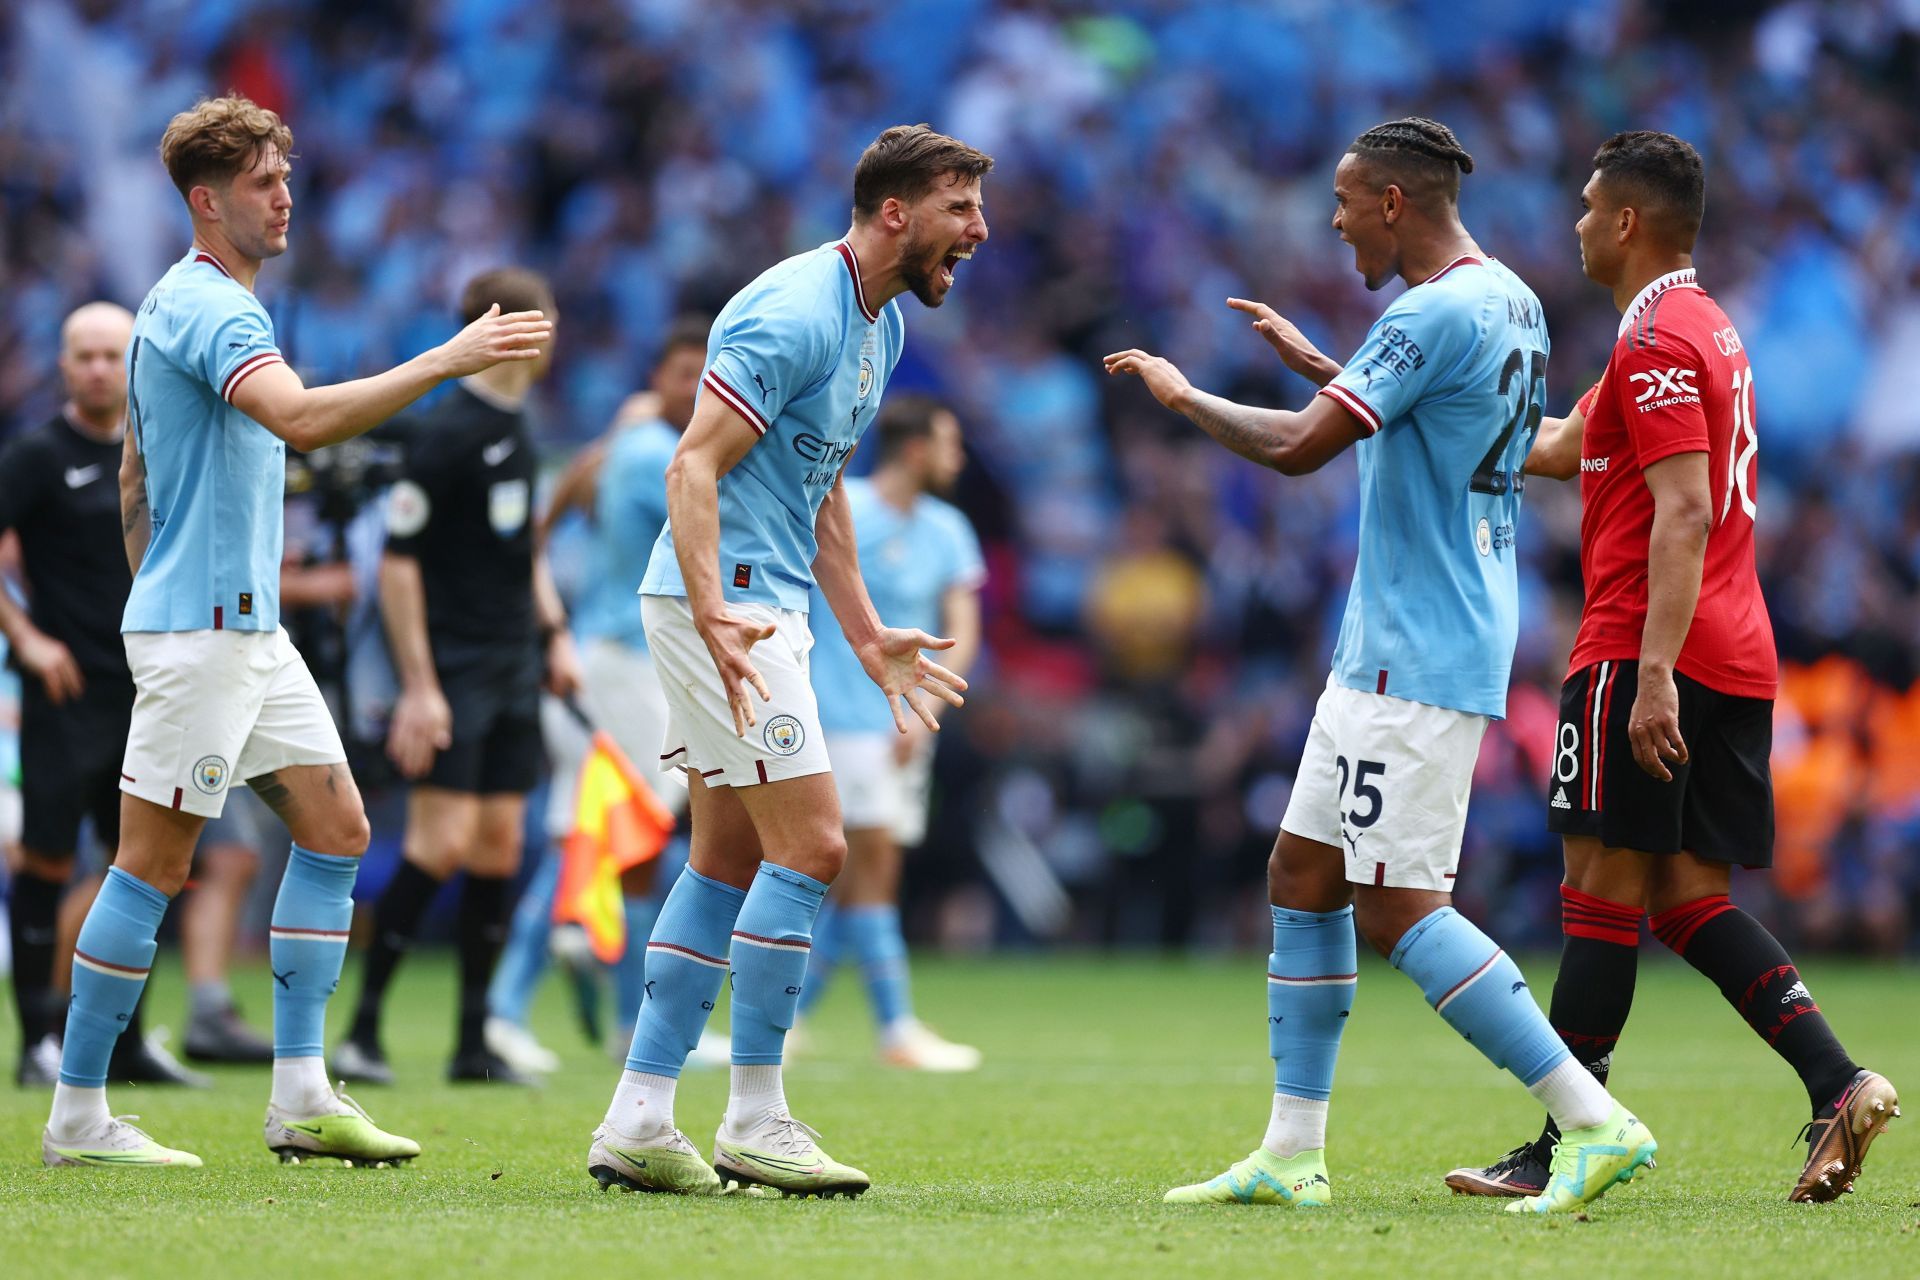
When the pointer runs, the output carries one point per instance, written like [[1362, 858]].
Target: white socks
[[642, 1105], [1572, 1096], [1296, 1125], [756, 1093], [78, 1112], [300, 1086]]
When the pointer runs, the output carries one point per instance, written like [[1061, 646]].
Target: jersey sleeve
[[421, 486], [1419, 339], [1659, 390], [631, 503], [25, 468], [770, 350], [968, 568], [1585, 406], [233, 339]]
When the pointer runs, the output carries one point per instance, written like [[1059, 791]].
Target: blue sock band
[[829, 940], [771, 940], [306, 946], [878, 947], [1473, 985], [630, 971], [686, 963], [523, 961], [110, 964], [1310, 979]]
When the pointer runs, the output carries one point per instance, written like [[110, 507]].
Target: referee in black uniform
[[61, 498], [474, 621]]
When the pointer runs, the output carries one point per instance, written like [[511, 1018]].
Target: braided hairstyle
[[1418, 155]]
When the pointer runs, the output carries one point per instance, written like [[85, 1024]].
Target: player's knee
[[352, 834], [1304, 885]]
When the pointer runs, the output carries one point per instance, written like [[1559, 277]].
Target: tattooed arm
[[136, 521], [1290, 443]]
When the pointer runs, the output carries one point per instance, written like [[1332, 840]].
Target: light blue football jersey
[[629, 511], [216, 479], [1451, 382], [802, 357], [910, 560]]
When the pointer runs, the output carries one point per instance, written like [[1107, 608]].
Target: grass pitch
[[1107, 1080]]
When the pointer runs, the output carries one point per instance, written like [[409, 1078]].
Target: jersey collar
[[206, 255], [1464, 260], [847, 255], [1681, 279]]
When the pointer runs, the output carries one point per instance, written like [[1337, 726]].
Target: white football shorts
[[785, 740], [1386, 781], [213, 707], [878, 791]]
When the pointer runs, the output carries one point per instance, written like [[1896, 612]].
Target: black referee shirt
[[464, 509], [61, 490]]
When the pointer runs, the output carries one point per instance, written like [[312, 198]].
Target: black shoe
[[483, 1066], [148, 1062], [225, 1037], [1523, 1171], [361, 1062], [39, 1064]]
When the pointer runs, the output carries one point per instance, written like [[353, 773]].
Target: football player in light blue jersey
[[220, 692], [620, 480], [923, 568], [796, 365], [1442, 403]]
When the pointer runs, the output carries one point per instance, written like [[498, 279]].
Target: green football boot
[[1588, 1161], [341, 1131], [119, 1146], [785, 1155], [1264, 1178], [668, 1163]]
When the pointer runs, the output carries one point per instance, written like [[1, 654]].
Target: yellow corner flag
[[618, 823]]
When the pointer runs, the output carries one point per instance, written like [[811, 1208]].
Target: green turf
[[1107, 1080]]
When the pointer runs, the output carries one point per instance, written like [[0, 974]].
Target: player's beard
[[919, 273]]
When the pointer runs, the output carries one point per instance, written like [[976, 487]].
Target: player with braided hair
[[1441, 405]]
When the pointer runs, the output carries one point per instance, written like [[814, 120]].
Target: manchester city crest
[[784, 736], [866, 377], [210, 774]]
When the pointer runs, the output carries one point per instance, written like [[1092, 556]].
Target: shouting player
[[220, 693], [1661, 781], [796, 365], [1443, 401]]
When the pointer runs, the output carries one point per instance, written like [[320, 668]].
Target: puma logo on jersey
[[1669, 386], [80, 477], [499, 451], [765, 390]]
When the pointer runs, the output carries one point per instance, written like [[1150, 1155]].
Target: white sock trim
[[78, 1112], [1572, 1096], [754, 1092], [300, 1086], [1296, 1125], [642, 1104]]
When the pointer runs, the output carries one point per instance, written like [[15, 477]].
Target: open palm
[[894, 660]]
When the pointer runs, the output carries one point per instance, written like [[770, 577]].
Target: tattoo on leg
[[278, 796]]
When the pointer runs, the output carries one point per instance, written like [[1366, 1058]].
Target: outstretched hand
[[1283, 336], [495, 339], [894, 661], [729, 639], [1162, 376]]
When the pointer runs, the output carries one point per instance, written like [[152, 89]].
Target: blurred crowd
[[1159, 612]]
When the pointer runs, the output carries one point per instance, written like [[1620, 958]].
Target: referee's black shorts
[[70, 757], [1719, 805], [495, 700]]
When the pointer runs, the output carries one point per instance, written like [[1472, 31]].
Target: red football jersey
[[1678, 382]]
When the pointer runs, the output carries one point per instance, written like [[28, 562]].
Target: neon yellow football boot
[[1590, 1160], [341, 1131], [120, 1146], [1264, 1178]]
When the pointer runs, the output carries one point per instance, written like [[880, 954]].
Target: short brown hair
[[220, 139], [905, 162], [514, 288]]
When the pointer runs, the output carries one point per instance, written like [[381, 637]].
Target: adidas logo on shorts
[[1560, 800]]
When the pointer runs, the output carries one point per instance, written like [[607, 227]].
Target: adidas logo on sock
[[1560, 800]]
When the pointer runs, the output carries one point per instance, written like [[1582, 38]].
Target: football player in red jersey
[[1661, 782]]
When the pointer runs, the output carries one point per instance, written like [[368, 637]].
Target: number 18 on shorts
[[1386, 781]]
